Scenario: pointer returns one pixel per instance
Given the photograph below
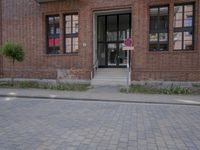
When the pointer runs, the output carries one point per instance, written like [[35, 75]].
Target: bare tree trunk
[[12, 77]]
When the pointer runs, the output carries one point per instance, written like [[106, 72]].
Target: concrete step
[[94, 83], [110, 76]]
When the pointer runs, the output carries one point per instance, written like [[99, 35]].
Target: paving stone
[[72, 125]]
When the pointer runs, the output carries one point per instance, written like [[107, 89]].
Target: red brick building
[[70, 36]]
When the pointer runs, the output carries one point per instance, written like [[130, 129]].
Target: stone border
[[50, 81], [166, 83]]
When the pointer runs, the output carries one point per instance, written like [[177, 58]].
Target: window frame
[[184, 29], [158, 42], [47, 33], [71, 35]]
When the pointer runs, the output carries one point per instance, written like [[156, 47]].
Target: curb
[[100, 100]]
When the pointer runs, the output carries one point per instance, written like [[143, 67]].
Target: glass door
[[124, 32], [112, 54], [112, 31]]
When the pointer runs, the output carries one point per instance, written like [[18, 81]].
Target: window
[[184, 27], [158, 32], [71, 33], [53, 34]]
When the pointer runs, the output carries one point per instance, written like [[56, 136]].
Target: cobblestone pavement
[[36, 124]]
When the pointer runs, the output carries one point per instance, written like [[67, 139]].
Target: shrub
[[14, 52]]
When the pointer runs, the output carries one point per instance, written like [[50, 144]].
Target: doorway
[[112, 30]]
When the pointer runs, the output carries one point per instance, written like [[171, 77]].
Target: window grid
[[159, 32], [53, 34], [185, 28], [72, 35]]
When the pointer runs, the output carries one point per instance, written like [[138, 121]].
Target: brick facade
[[24, 22]]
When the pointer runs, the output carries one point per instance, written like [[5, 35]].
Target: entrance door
[[112, 31]]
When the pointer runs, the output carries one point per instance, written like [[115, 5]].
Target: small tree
[[14, 52]]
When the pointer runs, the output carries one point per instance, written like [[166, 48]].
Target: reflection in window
[[158, 36], [183, 27], [112, 28], [101, 28], [71, 33], [53, 34], [124, 27]]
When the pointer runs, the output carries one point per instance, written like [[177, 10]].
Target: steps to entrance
[[110, 76]]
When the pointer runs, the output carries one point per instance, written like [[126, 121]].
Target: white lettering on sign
[[126, 48]]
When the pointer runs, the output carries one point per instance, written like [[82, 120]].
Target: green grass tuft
[[36, 85], [156, 90]]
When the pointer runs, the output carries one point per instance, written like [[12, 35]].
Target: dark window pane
[[163, 18], [159, 23], [101, 28], [153, 47], [153, 23], [163, 47], [124, 29], [163, 11], [163, 23], [101, 54], [154, 19], [112, 28], [154, 11]]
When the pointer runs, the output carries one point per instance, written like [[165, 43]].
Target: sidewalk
[[105, 95]]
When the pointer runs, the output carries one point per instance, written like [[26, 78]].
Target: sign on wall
[[128, 44]]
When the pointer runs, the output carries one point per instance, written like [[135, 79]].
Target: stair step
[[110, 76], [108, 83]]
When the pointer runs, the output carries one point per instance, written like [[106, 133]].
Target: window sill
[[172, 51], [64, 54]]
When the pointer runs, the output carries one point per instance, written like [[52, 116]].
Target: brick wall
[[24, 22], [169, 65]]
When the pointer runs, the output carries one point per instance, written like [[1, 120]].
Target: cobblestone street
[[37, 124]]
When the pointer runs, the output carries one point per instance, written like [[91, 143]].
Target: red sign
[[54, 42], [128, 44]]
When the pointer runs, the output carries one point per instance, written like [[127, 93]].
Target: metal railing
[[94, 68]]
